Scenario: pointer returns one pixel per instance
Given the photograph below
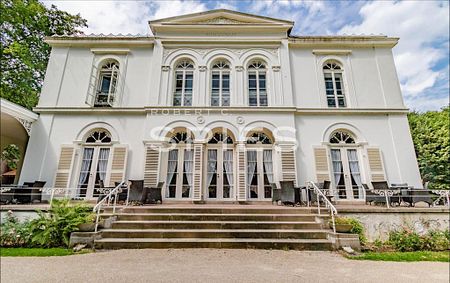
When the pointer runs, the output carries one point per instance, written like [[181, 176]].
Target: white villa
[[218, 105]]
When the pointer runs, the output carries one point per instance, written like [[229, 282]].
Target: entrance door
[[93, 171], [259, 174], [219, 175], [346, 173], [180, 173]]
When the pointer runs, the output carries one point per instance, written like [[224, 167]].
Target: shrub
[[406, 240], [14, 233], [53, 229]]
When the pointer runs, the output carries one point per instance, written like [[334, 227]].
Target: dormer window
[[184, 76], [257, 92], [107, 84], [220, 84], [332, 72]]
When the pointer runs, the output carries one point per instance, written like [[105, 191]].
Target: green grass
[[36, 252], [404, 256]]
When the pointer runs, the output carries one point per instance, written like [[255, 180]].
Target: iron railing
[[332, 209], [112, 195]]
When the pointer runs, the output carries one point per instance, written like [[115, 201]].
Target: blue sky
[[422, 55]]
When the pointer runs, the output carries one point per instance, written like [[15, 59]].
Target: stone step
[[212, 210], [217, 243], [215, 225], [214, 217], [215, 233]]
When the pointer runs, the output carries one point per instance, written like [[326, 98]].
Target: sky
[[421, 57]]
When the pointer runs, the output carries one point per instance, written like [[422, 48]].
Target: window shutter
[[151, 168], [321, 163], [242, 170], [198, 153], [376, 166], [288, 164], [65, 164], [118, 164], [92, 88]]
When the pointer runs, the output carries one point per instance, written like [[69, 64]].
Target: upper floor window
[[107, 84], [341, 137], [334, 88], [257, 92], [220, 84], [259, 138], [184, 75], [98, 136]]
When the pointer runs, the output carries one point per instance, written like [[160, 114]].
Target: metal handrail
[[107, 199], [328, 204]]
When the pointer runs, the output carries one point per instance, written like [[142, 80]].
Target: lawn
[[404, 256], [36, 252]]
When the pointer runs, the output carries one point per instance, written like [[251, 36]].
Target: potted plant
[[342, 224], [88, 225]]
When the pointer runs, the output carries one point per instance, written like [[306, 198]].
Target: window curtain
[[85, 166], [103, 163], [188, 168], [354, 168], [228, 164], [212, 161], [251, 165], [337, 166], [173, 161], [268, 164]]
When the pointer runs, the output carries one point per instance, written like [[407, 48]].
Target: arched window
[[98, 136], [107, 84], [220, 84], [257, 92], [341, 137], [220, 138], [259, 138], [184, 75], [332, 72], [180, 166]]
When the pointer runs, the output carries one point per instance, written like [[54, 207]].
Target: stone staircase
[[210, 227]]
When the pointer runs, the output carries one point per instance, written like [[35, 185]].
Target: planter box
[[86, 227], [342, 228]]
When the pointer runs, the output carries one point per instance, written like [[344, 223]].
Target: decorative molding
[[110, 50], [203, 51], [165, 68], [202, 68], [200, 119], [240, 120], [331, 52], [221, 21], [239, 68], [276, 68], [26, 124]]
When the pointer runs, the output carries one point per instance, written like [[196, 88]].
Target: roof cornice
[[100, 41], [343, 41]]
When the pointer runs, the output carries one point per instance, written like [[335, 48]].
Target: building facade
[[218, 105]]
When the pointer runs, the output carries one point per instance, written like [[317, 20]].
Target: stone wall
[[379, 222]]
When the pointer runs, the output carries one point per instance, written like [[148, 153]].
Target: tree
[[24, 55], [430, 134]]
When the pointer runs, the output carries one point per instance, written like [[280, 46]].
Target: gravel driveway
[[209, 265]]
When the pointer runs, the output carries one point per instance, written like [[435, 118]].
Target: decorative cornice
[[220, 20]]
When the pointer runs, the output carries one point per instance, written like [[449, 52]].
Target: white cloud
[[167, 9], [422, 27]]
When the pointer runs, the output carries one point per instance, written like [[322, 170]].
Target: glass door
[[180, 173], [346, 173], [94, 164], [219, 175], [259, 174]]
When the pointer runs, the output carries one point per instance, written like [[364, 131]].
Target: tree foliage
[[430, 133], [24, 55]]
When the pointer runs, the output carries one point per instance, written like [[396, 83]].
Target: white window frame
[[255, 68], [333, 73], [221, 67], [184, 67], [114, 73]]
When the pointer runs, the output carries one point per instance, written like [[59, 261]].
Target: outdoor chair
[[122, 196], [276, 193], [421, 195], [405, 193], [154, 194], [384, 186], [36, 192], [23, 194], [371, 196], [137, 193], [287, 192]]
